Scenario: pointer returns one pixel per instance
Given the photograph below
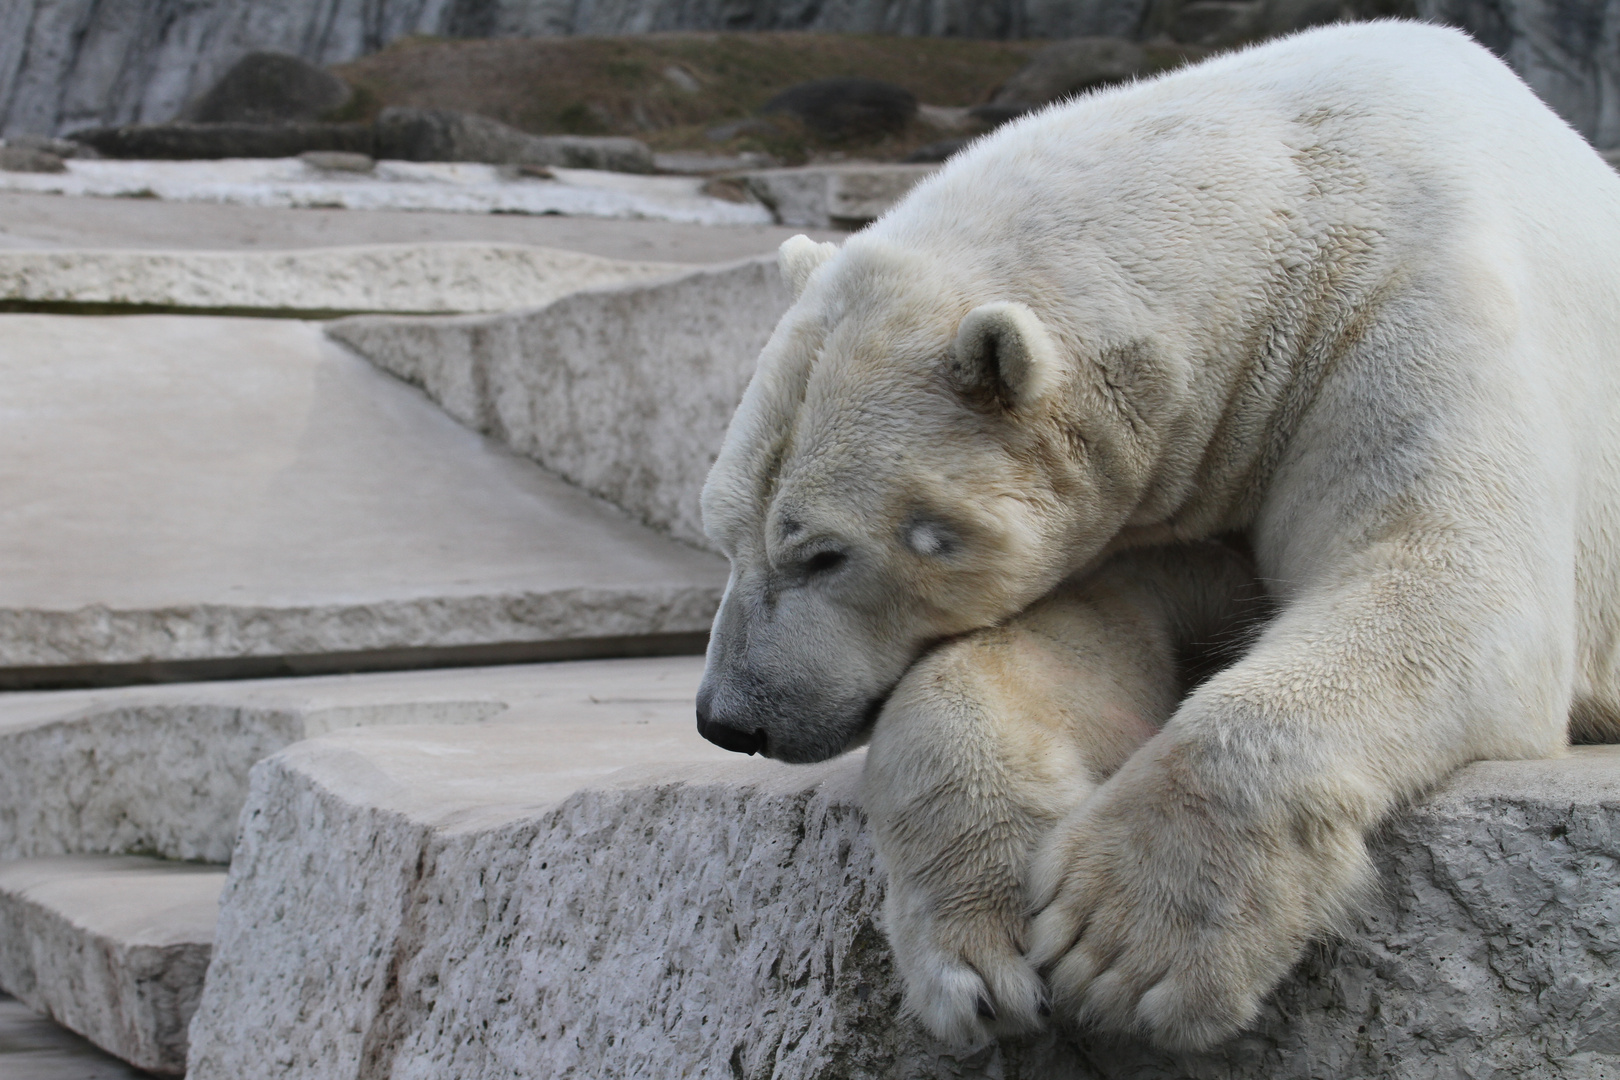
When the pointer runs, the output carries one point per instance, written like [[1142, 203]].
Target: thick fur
[[1352, 295]]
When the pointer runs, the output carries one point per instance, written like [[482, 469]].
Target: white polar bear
[[1353, 297]]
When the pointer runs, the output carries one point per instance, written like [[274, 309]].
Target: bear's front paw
[[1166, 911], [962, 962]]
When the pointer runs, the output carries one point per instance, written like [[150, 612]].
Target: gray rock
[[833, 196], [29, 159], [188, 142], [270, 87], [411, 134], [724, 921], [625, 391], [338, 161], [114, 948], [845, 109]]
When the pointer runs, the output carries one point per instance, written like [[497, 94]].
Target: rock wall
[[723, 921]]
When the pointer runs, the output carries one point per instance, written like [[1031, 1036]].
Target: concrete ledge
[[112, 948], [164, 769], [200, 489], [625, 391], [723, 921], [420, 278], [34, 1047]]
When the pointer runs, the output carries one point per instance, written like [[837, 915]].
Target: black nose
[[727, 738]]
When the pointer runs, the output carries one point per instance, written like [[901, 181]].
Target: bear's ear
[[1004, 352], [798, 258]]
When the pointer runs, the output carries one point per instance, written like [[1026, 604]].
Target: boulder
[[412, 134], [833, 196], [270, 87], [31, 160], [188, 141], [845, 109], [393, 909]]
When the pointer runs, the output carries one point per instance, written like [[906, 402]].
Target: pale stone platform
[[310, 282], [164, 769], [35, 222], [114, 948], [395, 908], [207, 489], [626, 391]]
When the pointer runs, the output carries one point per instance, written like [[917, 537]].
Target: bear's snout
[[723, 735]]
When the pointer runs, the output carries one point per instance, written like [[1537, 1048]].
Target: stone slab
[[723, 920], [833, 196], [208, 489], [38, 222], [33, 1047], [163, 770], [462, 187], [625, 391], [114, 948], [318, 282]]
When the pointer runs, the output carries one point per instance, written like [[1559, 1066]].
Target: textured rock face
[[416, 278], [163, 770], [624, 391], [724, 921], [113, 948]]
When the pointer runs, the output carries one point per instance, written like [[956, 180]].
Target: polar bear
[[1347, 304]]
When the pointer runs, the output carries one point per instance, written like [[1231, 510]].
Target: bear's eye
[[823, 562], [929, 538]]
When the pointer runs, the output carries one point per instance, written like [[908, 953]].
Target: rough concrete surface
[[392, 278], [163, 770], [33, 1047], [184, 488], [113, 948], [625, 391], [36, 222], [833, 196], [723, 921]]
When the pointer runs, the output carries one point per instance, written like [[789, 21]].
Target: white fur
[[799, 257], [1352, 295]]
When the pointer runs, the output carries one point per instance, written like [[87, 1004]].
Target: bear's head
[[911, 461]]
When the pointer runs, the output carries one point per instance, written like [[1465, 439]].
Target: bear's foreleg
[[1177, 896], [990, 740]]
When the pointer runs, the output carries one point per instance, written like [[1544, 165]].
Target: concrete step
[[163, 770], [309, 282], [33, 1047], [625, 391], [111, 947], [197, 498], [423, 905]]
